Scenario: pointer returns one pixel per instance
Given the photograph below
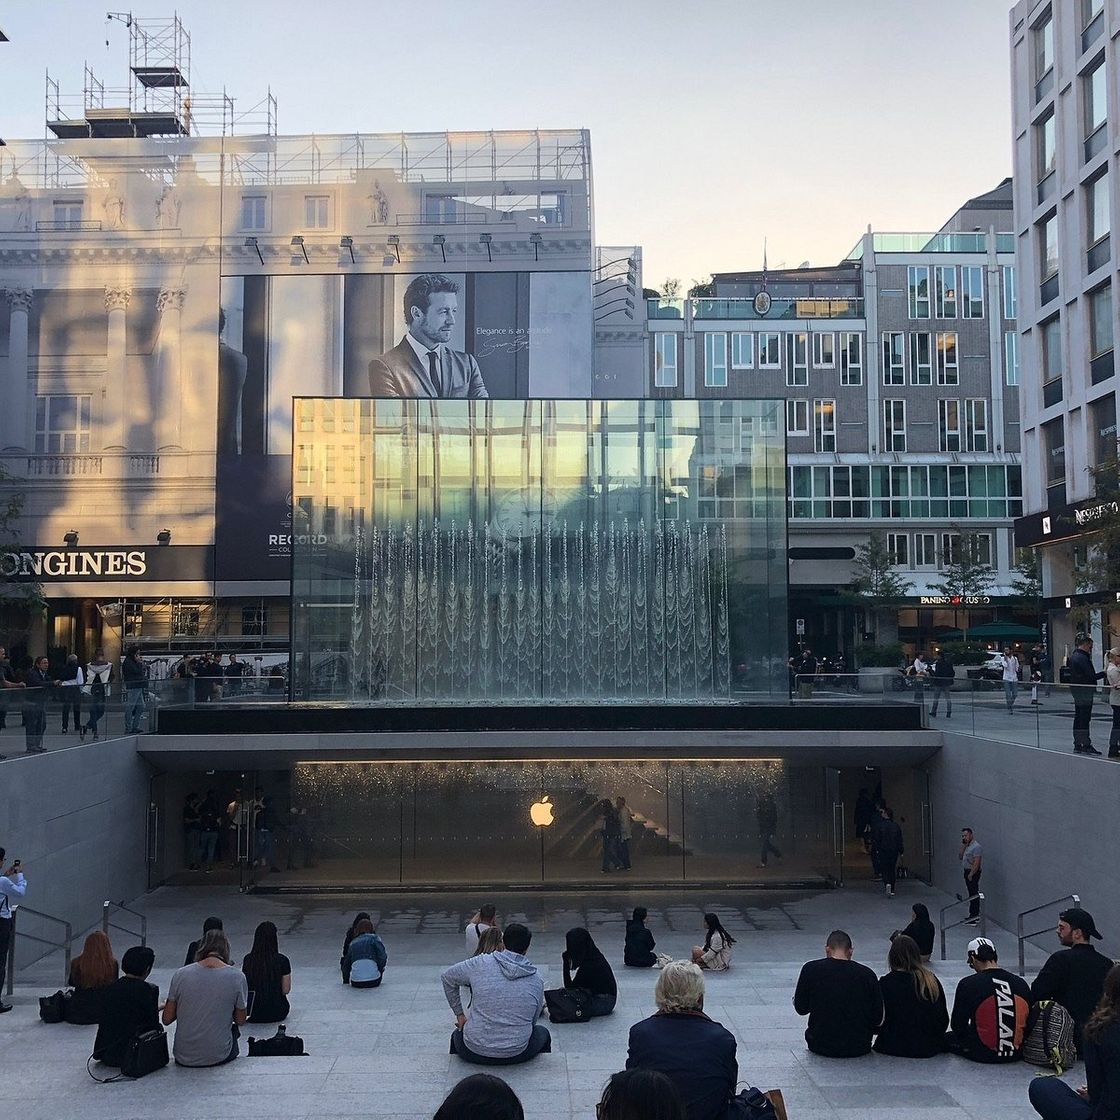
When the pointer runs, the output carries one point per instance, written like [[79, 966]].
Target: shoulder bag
[[146, 1052], [568, 1005], [280, 1045], [52, 1009]]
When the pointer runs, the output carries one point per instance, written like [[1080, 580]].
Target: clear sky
[[714, 123]]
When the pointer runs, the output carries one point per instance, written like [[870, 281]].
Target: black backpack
[[943, 668]]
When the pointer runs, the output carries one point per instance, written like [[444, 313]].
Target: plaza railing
[[1023, 935]]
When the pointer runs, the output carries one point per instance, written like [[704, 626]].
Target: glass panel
[[520, 551]]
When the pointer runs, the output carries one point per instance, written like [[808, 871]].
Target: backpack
[[1049, 1040]]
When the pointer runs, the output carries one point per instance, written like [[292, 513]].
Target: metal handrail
[[1074, 898], [978, 897], [64, 945], [107, 925]]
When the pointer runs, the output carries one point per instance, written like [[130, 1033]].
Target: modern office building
[[1066, 134], [899, 371]]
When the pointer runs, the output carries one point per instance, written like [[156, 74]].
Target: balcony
[[109, 465], [780, 309], [940, 242]]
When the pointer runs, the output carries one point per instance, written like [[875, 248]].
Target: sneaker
[[1093, 750], [5, 1007], [971, 921], [891, 892]]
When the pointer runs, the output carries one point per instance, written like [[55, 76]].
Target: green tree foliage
[[967, 575], [879, 587]]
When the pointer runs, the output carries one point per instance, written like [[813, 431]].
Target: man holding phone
[[12, 886]]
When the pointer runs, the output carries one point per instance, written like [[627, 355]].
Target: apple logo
[[540, 812]]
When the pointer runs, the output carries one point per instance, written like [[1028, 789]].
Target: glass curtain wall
[[555, 551]]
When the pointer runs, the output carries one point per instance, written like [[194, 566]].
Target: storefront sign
[[110, 563], [954, 600]]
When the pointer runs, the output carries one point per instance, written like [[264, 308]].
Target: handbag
[[280, 1045], [568, 1005], [145, 1053], [52, 1009], [754, 1104]]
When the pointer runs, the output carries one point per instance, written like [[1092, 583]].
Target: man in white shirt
[[920, 671], [13, 886], [1010, 678], [485, 919]]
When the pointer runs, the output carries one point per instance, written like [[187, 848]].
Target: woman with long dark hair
[[585, 967], [640, 1094], [269, 974], [92, 971], [482, 1096], [638, 950], [1099, 1098], [915, 1015], [362, 915], [715, 953], [921, 930]]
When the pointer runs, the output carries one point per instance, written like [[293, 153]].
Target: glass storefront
[[559, 551]]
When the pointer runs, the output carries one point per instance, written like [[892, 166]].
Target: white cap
[[977, 943]]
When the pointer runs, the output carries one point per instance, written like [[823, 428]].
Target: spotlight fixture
[[535, 240], [71, 538], [297, 243], [395, 245], [347, 243], [163, 536], [441, 241], [251, 243], [485, 239]]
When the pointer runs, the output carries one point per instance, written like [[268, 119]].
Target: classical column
[[115, 418], [167, 382], [14, 415]]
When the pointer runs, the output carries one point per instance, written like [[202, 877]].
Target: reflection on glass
[[513, 551]]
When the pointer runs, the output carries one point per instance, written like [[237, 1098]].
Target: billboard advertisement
[[435, 335]]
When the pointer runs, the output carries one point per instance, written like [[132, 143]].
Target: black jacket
[[844, 1005], [594, 975], [1075, 978], [1102, 1074], [639, 946], [128, 1008], [990, 1011], [134, 673], [1082, 674], [886, 836], [923, 933], [695, 1053], [913, 1027]]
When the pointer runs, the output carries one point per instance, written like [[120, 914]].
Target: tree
[[1027, 577], [702, 289], [671, 288], [967, 575], [878, 586]]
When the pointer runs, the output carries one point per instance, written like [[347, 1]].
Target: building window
[[951, 548], [665, 360], [797, 372], [917, 288], [1048, 247], [254, 620], [1043, 35], [921, 358], [824, 426], [1096, 108], [254, 211], [1045, 147], [1090, 9], [1010, 293], [976, 424], [898, 549], [316, 211], [851, 358], [824, 350], [1054, 450], [1098, 214], [1011, 357], [1103, 433], [62, 425], [1051, 336], [945, 291], [894, 425], [1100, 320], [185, 620], [67, 213], [972, 291], [925, 550], [715, 360], [742, 350], [769, 351], [948, 425], [948, 370], [797, 417], [894, 358]]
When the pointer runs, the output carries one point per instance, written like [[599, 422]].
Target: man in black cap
[[1074, 976], [990, 1009]]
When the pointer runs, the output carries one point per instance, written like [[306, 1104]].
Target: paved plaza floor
[[384, 1052]]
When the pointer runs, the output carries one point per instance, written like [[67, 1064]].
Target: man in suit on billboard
[[422, 364]]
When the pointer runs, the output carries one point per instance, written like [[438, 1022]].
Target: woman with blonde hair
[[696, 1053], [490, 942], [1112, 676], [92, 971], [915, 1016]]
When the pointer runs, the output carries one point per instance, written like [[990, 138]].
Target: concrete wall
[[1047, 823], [76, 818]]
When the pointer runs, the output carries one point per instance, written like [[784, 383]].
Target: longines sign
[[110, 563]]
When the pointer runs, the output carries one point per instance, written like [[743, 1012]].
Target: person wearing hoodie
[[507, 998], [638, 952]]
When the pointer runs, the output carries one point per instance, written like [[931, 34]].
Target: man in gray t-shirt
[[205, 1001], [972, 858]]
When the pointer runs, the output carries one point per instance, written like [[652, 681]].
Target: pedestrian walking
[[972, 858], [944, 672], [888, 843], [1010, 678], [1083, 678], [920, 672], [1112, 677]]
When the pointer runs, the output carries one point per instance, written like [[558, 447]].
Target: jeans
[[938, 693], [1082, 716], [1010, 691], [1114, 734], [134, 709], [34, 725], [888, 866], [971, 888], [540, 1042], [96, 711], [266, 847], [71, 702], [1053, 1099], [208, 844]]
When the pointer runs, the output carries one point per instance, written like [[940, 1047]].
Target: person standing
[[1010, 678], [135, 675], [13, 886], [234, 671], [804, 666], [192, 829], [890, 846], [99, 673], [71, 681], [944, 672], [972, 859], [625, 832], [842, 999], [39, 687], [920, 672], [1083, 678], [1112, 678], [766, 809]]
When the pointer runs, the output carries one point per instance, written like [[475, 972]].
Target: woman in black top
[[639, 941], [1099, 1099], [915, 1017], [269, 973], [592, 972], [130, 1007], [921, 930], [92, 972]]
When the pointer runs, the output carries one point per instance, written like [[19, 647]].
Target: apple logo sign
[[540, 812]]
